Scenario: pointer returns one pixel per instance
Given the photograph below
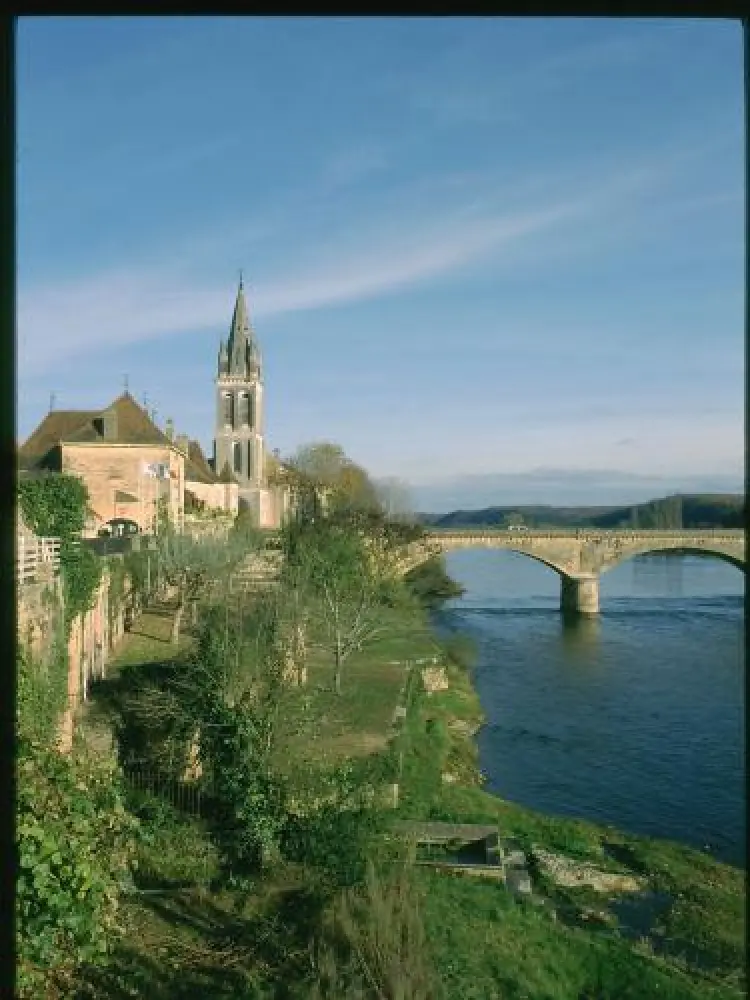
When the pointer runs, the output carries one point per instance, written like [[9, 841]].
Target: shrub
[[75, 844], [431, 584], [373, 945]]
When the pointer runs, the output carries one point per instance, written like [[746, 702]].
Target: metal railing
[[36, 557], [145, 777]]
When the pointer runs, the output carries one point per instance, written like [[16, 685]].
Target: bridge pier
[[579, 595]]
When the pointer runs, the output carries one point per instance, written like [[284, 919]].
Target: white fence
[[36, 557]]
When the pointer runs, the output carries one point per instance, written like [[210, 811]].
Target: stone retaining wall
[[94, 636]]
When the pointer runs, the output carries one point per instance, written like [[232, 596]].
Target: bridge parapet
[[579, 556], [728, 534]]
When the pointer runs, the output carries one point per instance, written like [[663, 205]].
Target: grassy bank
[[190, 942], [183, 936], [359, 720], [691, 945], [181, 939]]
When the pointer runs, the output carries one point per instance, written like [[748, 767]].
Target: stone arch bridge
[[580, 556]]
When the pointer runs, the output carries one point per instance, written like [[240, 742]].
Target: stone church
[[131, 466], [239, 442]]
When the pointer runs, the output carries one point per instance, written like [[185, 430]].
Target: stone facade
[[119, 485], [93, 637], [204, 489], [131, 467], [217, 495], [128, 464], [39, 618], [239, 442]]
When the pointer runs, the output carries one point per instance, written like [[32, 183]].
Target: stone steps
[[257, 570]]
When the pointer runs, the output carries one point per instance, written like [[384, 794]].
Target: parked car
[[120, 526]]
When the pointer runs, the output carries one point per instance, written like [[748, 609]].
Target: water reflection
[[660, 571], [579, 635]]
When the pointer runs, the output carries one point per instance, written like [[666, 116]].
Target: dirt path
[[147, 641]]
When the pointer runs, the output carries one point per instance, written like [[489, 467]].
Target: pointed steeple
[[240, 335]]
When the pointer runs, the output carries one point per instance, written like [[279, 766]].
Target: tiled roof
[[197, 469], [132, 425], [55, 427]]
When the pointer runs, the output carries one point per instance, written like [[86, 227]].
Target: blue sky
[[473, 248]]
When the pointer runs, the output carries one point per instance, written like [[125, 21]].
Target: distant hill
[[706, 510]]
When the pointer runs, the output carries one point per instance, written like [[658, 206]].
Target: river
[[634, 718]]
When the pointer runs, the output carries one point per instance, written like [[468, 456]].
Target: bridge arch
[[418, 558], [579, 592], [688, 550], [579, 557]]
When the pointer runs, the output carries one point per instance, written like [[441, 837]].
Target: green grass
[[172, 847], [485, 944], [149, 639], [190, 944], [490, 946], [359, 720]]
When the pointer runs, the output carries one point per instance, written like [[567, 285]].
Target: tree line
[[672, 512]]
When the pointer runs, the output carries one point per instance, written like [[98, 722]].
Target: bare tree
[[342, 582], [193, 567], [395, 499]]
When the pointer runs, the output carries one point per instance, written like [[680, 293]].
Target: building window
[[251, 411], [227, 409], [237, 456], [250, 462], [244, 409]]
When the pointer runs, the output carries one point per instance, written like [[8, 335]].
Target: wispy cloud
[[132, 306], [138, 304]]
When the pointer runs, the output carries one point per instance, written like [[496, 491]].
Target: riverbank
[[679, 936], [681, 933], [634, 719]]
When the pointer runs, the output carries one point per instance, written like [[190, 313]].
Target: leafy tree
[[81, 574], [54, 505], [245, 532], [395, 499], [232, 689], [327, 480], [431, 584]]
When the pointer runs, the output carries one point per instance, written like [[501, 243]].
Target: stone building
[[128, 464], [239, 443], [132, 468]]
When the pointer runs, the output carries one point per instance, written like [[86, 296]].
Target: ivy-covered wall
[[94, 636]]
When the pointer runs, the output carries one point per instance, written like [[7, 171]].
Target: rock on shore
[[581, 874]]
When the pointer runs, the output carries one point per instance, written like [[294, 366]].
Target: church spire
[[241, 347]]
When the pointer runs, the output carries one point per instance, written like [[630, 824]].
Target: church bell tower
[[238, 436]]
